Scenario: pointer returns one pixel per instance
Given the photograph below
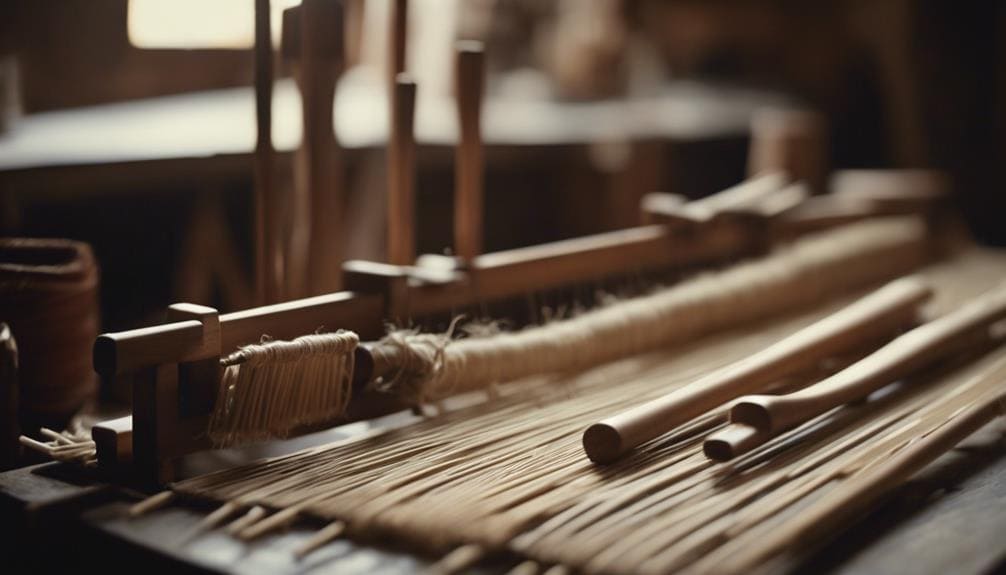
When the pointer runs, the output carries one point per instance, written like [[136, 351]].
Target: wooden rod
[[399, 31], [268, 247], [402, 174], [468, 167], [127, 351], [771, 415], [880, 314]]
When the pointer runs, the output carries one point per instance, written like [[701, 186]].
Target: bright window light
[[191, 24]]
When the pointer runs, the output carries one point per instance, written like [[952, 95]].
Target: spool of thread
[[793, 141], [49, 297]]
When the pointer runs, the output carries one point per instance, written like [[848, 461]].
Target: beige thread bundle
[[513, 476], [271, 389], [263, 395]]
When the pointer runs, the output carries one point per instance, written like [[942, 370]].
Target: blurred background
[[130, 124]]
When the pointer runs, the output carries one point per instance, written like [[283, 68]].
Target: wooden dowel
[[402, 174], [399, 30], [881, 313], [920, 347], [468, 167], [268, 246]]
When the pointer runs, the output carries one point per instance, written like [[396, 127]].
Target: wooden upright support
[[268, 235], [170, 414], [468, 167], [402, 174]]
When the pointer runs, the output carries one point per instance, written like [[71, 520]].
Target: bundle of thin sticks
[[274, 388], [510, 475]]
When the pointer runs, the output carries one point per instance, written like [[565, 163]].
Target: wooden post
[[160, 405], [321, 38], [268, 244], [402, 174], [468, 167], [396, 52], [791, 141]]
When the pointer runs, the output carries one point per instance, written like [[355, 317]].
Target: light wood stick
[[468, 168], [402, 174], [922, 346], [151, 503], [881, 313]]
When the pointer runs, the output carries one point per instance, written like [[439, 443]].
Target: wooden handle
[[879, 314], [402, 174], [906, 354], [469, 163]]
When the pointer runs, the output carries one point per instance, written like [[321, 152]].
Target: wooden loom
[[176, 365], [179, 361]]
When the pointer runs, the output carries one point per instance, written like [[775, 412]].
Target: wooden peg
[[399, 27], [790, 141], [402, 174], [468, 167]]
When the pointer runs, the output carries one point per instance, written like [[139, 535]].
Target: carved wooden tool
[[757, 418], [879, 314]]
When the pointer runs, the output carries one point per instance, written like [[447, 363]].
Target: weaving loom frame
[[175, 365]]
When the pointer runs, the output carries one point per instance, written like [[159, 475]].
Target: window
[[196, 24]]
